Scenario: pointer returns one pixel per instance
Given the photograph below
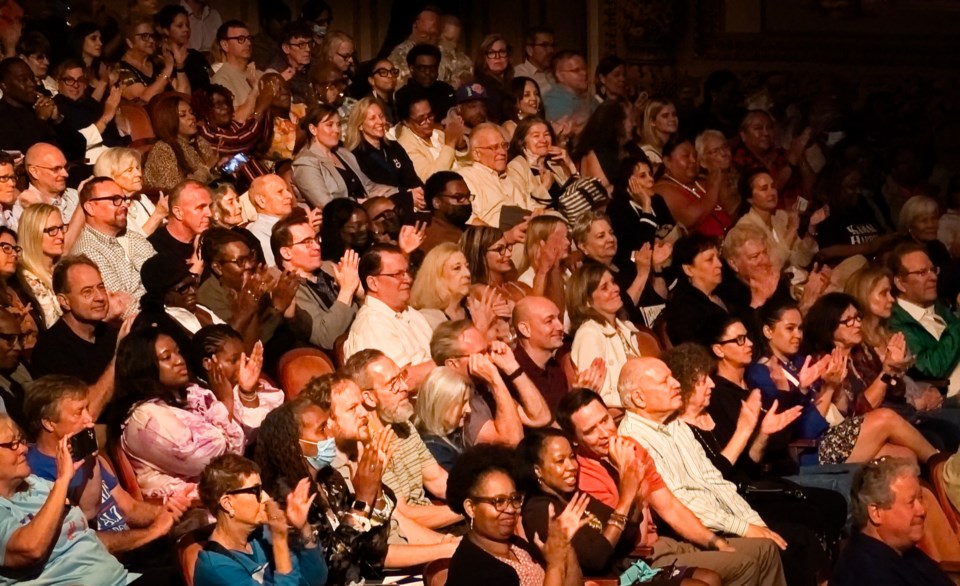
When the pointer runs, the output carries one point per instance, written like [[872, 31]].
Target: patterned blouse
[[44, 296], [163, 172], [170, 446]]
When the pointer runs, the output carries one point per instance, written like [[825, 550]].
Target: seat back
[[297, 367], [435, 573], [338, 347], [647, 343], [136, 122], [189, 547], [940, 490], [126, 475]]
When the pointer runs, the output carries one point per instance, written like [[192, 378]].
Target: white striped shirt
[[690, 475]]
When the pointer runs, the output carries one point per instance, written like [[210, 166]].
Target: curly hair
[[202, 100], [472, 468], [278, 449], [529, 455], [689, 363]]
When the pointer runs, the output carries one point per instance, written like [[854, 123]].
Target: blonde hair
[[538, 230], [429, 289], [115, 161], [859, 286], [915, 207], [7, 422], [647, 134], [32, 223], [583, 224], [442, 388], [352, 135]]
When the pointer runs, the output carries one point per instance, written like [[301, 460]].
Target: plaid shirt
[[119, 264]]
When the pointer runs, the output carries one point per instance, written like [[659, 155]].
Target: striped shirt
[[690, 475], [404, 473]]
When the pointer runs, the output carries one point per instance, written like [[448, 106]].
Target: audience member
[[425, 30], [538, 166], [568, 101], [424, 63], [123, 166], [141, 75], [293, 59], [173, 22], [430, 149], [233, 132], [13, 296], [204, 25], [238, 73], [83, 113], [13, 373], [539, 47], [442, 410], [42, 236], [919, 219], [46, 169], [693, 301], [524, 101], [493, 71], [610, 80], [8, 190], [189, 218], [180, 153], [449, 199], [273, 201], [602, 143], [441, 288], [227, 211], [488, 253], [456, 67], [383, 84], [698, 208], [658, 125], [756, 147], [486, 179]]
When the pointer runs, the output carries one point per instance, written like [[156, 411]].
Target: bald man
[[539, 327], [273, 200], [47, 171], [651, 397], [487, 179]]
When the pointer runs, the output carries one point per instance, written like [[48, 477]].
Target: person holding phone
[[56, 408], [180, 152]]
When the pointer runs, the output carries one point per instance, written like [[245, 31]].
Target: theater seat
[[435, 573], [126, 475], [189, 547], [647, 343], [940, 490], [297, 367], [338, 347]]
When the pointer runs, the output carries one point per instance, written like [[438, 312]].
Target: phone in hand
[[83, 444], [233, 165]]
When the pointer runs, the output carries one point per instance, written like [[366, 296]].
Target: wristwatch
[[889, 379], [359, 505]]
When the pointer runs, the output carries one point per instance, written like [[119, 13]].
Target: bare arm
[[532, 409], [435, 480], [590, 167], [400, 555], [679, 517], [429, 516]]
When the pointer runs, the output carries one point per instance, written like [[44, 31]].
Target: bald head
[[539, 325], [47, 167], [271, 195], [647, 387]]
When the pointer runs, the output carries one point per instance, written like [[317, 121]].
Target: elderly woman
[[323, 171], [785, 244], [525, 101], [727, 422], [142, 77], [442, 284], [699, 208], [482, 487], [593, 301], [45, 539], [536, 165], [123, 166], [226, 208], [179, 152], [920, 220], [239, 548], [660, 123], [169, 427], [429, 148], [42, 234], [443, 407], [692, 302]]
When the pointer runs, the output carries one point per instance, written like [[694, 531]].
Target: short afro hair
[[472, 467]]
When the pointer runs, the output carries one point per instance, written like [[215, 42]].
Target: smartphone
[[83, 444], [233, 165]]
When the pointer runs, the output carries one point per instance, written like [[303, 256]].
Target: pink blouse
[[169, 447]]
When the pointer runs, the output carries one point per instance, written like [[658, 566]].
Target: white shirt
[[188, 319], [203, 27], [544, 79], [261, 228], [935, 326], [404, 336], [690, 475], [614, 344], [66, 203], [491, 192]]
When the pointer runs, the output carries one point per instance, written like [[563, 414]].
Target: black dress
[[688, 309]]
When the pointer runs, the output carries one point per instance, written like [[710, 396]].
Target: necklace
[[692, 190]]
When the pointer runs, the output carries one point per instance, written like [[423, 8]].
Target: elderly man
[[272, 198], [236, 46], [412, 470], [293, 60], [602, 456], [426, 30], [386, 322], [888, 514], [326, 301], [57, 407], [651, 397], [755, 147], [496, 417], [487, 180], [47, 170], [931, 329], [570, 98], [106, 241], [13, 374], [539, 47], [188, 218]]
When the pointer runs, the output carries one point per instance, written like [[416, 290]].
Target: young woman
[[525, 102], [611, 79], [492, 69], [660, 123], [179, 153], [42, 236], [488, 256], [173, 23]]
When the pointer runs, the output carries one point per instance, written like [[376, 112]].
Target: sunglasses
[[255, 490]]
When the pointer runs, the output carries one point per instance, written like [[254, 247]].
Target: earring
[[471, 523]]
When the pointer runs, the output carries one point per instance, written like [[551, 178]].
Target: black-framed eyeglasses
[[923, 273], [14, 444], [8, 178], [303, 44], [500, 503], [460, 198], [309, 240], [241, 39], [399, 275], [740, 340], [73, 81], [117, 200], [385, 215], [424, 119], [242, 261], [256, 490], [54, 230], [345, 56], [850, 321], [10, 248], [13, 338], [498, 54], [384, 72], [502, 250]]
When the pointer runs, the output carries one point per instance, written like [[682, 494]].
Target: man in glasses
[[236, 74], [386, 321], [486, 177], [293, 59], [425, 30], [412, 470], [328, 302], [539, 47], [106, 241], [47, 169], [273, 200], [13, 373], [8, 190], [423, 60], [450, 202]]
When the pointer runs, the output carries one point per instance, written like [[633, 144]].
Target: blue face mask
[[326, 452]]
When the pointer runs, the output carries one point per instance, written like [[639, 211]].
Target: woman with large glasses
[[481, 486], [12, 296], [492, 69], [383, 83], [429, 148], [142, 76], [42, 235], [44, 538], [239, 551]]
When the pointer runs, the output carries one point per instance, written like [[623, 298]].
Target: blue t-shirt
[[78, 557], [109, 515], [242, 569]]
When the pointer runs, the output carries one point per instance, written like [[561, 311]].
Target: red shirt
[[600, 479]]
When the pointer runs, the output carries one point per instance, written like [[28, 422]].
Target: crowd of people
[[576, 327]]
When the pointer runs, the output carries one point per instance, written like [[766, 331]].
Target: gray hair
[[913, 208], [871, 486], [701, 143], [581, 227], [445, 343], [441, 389]]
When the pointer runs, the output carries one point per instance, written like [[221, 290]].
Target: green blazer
[[935, 358]]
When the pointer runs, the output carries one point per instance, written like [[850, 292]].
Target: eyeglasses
[[426, 118], [853, 319], [73, 81], [740, 340], [10, 248], [345, 56], [240, 39], [54, 230], [13, 338], [8, 178], [501, 146], [497, 54], [58, 169], [13, 445], [243, 261], [502, 250], [116, 200], [385, 215], [256, 490], [923, 273], [384, 72], [309, 240], [303, 45], [500, 503], [399, 275], [459, 197], [395, 384], [186, 285], [146, 36]]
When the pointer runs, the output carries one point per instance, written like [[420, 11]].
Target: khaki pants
[[755, 563]]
